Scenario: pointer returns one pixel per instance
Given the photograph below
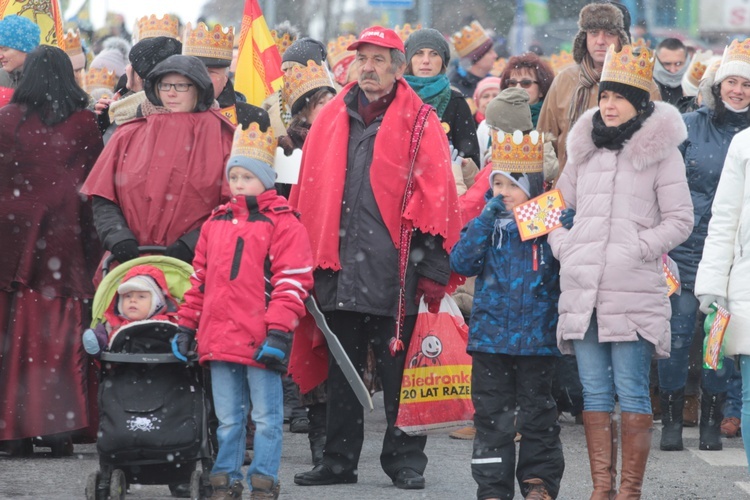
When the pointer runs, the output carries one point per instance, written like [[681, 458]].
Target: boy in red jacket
[[253, 272]]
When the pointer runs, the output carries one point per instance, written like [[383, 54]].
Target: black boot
[[712, 413], [672, 404], [317, 431]]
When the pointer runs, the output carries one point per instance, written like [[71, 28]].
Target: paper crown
[[406, 30], [641, 43], [71, 43], [561, 61], [628, 67], [152, 26], [698, 66], [303, 79], [498, 67], [282, 41], [517, 152], [469, 39], [216, 43], [252, 143], [337, 49], [100, 78], [737, 51]]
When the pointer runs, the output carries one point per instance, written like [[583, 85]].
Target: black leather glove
[[274, 351], [125, 250], [180, 250], [183, 344]]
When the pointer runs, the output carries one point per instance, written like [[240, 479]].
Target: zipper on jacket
[[237, 258]]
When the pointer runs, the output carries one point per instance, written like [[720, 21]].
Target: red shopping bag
[[436, 386]]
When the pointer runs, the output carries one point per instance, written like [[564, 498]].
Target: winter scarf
[[671, 80], [371, 110], [588, 76], [535, 110], [434, 90], [614, 138]]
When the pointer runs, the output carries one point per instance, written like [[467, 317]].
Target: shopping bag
[[436, 386], [715, 326]]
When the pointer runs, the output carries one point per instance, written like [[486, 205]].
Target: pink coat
[[632, 206]]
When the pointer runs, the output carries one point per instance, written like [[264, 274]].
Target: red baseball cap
[[377, 35]]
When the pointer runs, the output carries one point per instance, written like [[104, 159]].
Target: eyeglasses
[[523, 83], [179, 87]]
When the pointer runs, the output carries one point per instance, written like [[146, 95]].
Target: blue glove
[[183, 344], [566, 218], [274, 351], [493, 209]]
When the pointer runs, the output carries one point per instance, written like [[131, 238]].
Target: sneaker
[[730, 427], [466, 433], [537, 490]]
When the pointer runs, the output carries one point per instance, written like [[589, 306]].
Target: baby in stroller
[[142, 295]]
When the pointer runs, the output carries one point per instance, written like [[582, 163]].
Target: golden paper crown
[[100, 78], [71, 43], [642, 43], [252, 143], [469, 39], [406, 30], [561, 61], [152, 26], [282, 41], [498, 67], [629, 68], [303, 79], [337, 49], [216, 43], [517, 152], [737, 51], [698, 66]]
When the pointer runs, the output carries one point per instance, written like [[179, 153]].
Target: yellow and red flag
[[259, 64], [44, 13], [539, 215]]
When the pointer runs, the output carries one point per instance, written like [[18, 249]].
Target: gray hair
[[398, 59]]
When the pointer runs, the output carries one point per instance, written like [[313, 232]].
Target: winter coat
[[461, 129], [515, 305], [553, 119], [632, 205], [248, 248], [464, 82], [704, 152], [725, 266]]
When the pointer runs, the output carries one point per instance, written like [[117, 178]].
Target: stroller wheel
[[196, 485], [117, 485], [91, 484]]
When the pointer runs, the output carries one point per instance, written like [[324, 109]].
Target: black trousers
[[514, 393], [345, 422]]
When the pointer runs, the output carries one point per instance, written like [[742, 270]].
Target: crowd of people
[[415, 149]]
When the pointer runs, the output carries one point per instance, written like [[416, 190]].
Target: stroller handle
[[113, 357], [141, 249]]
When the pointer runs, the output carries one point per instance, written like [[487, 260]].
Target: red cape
[[472, 202]]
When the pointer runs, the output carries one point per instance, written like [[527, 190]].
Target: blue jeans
[[231, 383], [673, 371], [609, 368], [745, 370]]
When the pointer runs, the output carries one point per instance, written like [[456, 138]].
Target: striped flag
[[259, 64], [44, 13]]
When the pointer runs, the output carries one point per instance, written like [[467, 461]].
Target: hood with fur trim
[[660, 133], [598, 16]]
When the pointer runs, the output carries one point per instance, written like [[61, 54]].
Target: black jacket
[[246, 113], [463, 133], [672, 95], [464, 82]]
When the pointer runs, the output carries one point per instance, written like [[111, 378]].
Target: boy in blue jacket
[[512, 332]]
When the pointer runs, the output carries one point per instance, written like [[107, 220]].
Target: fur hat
[[19, 33], [598, 16], [142, 283]]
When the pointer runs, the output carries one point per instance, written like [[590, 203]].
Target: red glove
[[432, 291]]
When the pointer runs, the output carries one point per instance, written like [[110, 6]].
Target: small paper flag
[[712, 351], [673, 284], [539, 215]]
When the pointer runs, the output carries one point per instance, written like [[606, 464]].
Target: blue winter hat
[[260, 169], [19, 33]]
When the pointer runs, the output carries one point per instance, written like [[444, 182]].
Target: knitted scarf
[[433, 90], [614, 138], [588, 76], [535, 110]]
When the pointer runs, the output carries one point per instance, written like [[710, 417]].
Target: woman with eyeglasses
[[160, 175], [533, 75]]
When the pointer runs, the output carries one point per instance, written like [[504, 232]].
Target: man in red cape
[[373, 234]]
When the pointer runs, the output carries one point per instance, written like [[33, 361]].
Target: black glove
[[274, 351], [180, 250], [125, 250], [183, 344], [566, 218], [493, 209]]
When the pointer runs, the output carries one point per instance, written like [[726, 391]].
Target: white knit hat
[[142, 283]]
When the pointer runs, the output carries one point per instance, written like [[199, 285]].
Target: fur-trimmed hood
[[598, 16], [661, 132]]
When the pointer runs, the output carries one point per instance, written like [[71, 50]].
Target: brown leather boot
[[636, 444], [601, 441]]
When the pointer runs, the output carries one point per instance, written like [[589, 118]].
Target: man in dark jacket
[[669, 68], [474, 47], [351, 199]]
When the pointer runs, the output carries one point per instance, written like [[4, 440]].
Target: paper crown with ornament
[[71, 43], [517, 152], [736, 61], [406, 30], [212, 46], [302, 80], [255, 144], [152, 26], [561, 61], [339, 58], [100, 78], [498, 67], [282, 41], [469, 39], [696, 69], [630, 66]]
